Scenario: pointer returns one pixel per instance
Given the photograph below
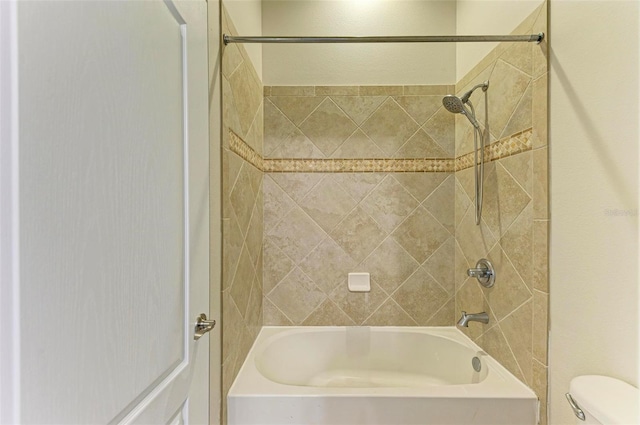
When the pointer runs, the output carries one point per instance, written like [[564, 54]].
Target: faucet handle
[[484, 272]]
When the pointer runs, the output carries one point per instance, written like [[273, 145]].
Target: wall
[[353, 64], [242, 206], [513, 231], [320, 225], [594, 109], [246, 16], [483, 17]]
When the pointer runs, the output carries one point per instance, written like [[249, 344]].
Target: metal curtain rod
[[393, 39]]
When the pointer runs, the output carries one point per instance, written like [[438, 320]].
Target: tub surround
[[391, 163]]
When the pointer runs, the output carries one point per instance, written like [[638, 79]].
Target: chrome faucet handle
[[484, 272]]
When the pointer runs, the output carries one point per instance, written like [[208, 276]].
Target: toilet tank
[[605, 400]]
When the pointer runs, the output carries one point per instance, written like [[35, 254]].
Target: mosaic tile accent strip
[[246, 152], [520, 142]]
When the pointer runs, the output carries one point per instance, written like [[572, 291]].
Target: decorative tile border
[[517, 143]]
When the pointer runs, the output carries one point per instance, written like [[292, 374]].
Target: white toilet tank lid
[[609, 400]]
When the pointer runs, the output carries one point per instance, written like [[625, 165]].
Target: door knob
[[203, 326]]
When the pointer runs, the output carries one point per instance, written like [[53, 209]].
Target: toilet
[[604, 401]]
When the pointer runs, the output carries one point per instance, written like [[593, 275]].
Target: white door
[[104, 212]]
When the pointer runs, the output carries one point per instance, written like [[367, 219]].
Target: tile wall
[[513, 232], [242, 222], [319, 226]]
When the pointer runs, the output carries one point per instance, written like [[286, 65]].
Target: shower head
[[456, 105]]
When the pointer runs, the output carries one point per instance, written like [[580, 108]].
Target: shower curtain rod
[[391, 39]]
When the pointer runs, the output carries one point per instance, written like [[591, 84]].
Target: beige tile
[[327, 203], [389, 264], [358, 305], [420, 296], [520, 167], [358, 234], [389, 127], [267, 91], [255, 232], [327, 265], [337, 90], [445, 316], [328, 314], [328, 127], [241, 288], [296, 235], [421, 145], [421, 234], [390, 314], [231, 59], [276, 203], [247, 94], [540, 326], [255, 135], [440, 204], [509, 291], [521, 119], [380, 90], [462, 202], [540, 256], [441, 128], [280, 132], [435, 90], [421, 185], [508, 84], [276, 265], [421, 108], [292, 90], [232, 322], [517, 243], [539, 112], [540, 373], [495, 344], [520, 56], [296, 296], [389, 204], [242, 197], [517, 331], [441, 266], [540, 184], [461, 267], [230, 117], [358, 145], [296, 185], [359, 108], [232, 242], [504, 199], [475, 241], [359, 185], [296, 108], [253, 315], [273, 316]]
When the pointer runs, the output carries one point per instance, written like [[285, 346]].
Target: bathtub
[[375, 375]]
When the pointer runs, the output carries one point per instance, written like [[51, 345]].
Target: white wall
[[247, 18], [376, 64], [594, 137], [486, 17]]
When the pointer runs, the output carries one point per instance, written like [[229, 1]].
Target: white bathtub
[[374, 375]]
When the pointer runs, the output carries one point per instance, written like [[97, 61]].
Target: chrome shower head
[[455, 105]]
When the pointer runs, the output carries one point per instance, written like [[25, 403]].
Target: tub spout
[[473, 317]]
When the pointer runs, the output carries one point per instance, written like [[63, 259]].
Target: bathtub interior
[[367, 357]]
